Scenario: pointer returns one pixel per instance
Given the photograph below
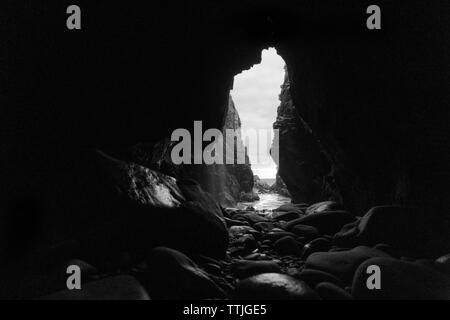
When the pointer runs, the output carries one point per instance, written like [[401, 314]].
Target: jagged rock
[[114, 288], [273, 286], [342, 264], [172, 275], [402, 281]]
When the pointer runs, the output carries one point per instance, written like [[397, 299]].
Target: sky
[[255, 95]]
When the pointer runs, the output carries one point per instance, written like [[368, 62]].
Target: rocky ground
[[295, 252]]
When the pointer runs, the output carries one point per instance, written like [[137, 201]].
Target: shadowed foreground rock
[[273, 286], [402, 281], [172, 276]]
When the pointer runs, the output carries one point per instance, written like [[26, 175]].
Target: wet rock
[[172, 275], [401, 227], [114, 288], [244, 268], [290, 207], [287, 246], [443, 263], [231, 222], [323, 206], [236, 231], [308, 232], [317, 245], [264, 226], [273, 286], [330, 291], [274, 236], [88, 271], [254, 217], [327, 222], [342, 264], [387, 248], [285, 216], [313, 277], [402, 280], [247, 242]]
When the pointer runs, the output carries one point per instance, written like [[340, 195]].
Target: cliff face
[[228, 183], [302, 165]]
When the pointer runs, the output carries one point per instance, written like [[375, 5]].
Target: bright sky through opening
[[255, 95]]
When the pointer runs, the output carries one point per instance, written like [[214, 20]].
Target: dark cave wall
[[302, 165], [376, 100]]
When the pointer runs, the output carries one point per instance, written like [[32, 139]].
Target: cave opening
[[256, 98]]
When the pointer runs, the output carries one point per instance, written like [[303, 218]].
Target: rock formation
[[228, 183], [375, 101], [302, 165]]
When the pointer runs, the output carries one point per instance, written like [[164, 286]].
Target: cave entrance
[[255, 94]]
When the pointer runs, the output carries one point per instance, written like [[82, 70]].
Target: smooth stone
[[323, 206], [443, 263], [313, 277], [330, 291], [121, 287], [231, 222], [317, 245], [299, 208], [274, 236], [273, 286], [327, 222], [287, 246], [248, 242], [263, 226], [245, 268], [401, 280], [285, 216], [308, 232], [253, 217], [236, 231], [172, 275], [403, 228], [342, 264]]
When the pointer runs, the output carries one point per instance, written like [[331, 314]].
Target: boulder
[[342, 264], [245, 268], [443, 263], [284, 215], [308, 232], [330, 291], [172, 275], [327, 222], [314, 277], [401, 280], [317, 245], [273, 286], [323, 206], [115, 288], [402, 228], [287, 246]]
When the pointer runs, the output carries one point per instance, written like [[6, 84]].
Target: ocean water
[[267, 201]]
